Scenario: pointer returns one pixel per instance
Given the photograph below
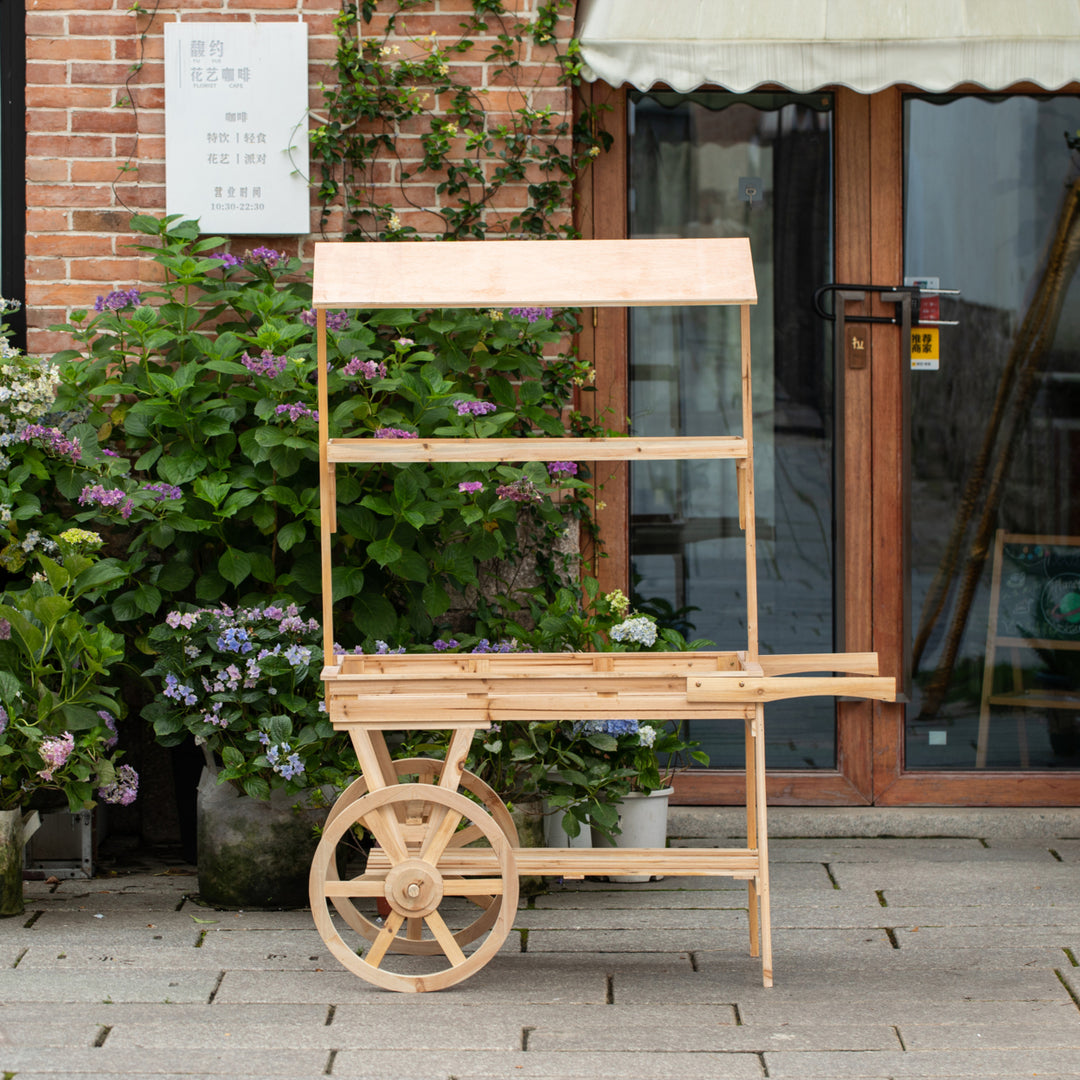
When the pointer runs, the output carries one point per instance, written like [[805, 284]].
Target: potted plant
[[57, 712], [244, 683]]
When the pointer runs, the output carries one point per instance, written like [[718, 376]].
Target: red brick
[[61, 294], [148, 97], [115, 120], [38, 24], [46, 269], [70, 243], [50, 48], [43, 342], [46, 170], [42, 120], [94, 74], [104, 171], [45, 74], [65, 195], [64, 97], [102, 24], [100, 221], [95, 146], [41, 219], [106, 270]]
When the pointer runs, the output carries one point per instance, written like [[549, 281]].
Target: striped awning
[[805, 45]]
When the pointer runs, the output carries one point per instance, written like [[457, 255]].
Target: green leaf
[[50, 609], [406, 488], [290, 534], [209, 586], [234, 566], [384, 552], [374, 615], [183, 467]]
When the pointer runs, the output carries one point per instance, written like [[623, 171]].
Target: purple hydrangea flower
[[110, 723], [54, 751], [118, 299], [296, 410], [234, 639], [531, 314], [268, 256], [474, 408], [470, 487], [562, 468], [335, 320], [441, 646], [229, 261], [5, 630], [266, 363], [523, 490], [123, 790], [53, 439], [163, 491], [369, 369], [96, 495], [395, 433]]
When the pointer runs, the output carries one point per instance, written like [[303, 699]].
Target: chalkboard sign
[[1037, 587]]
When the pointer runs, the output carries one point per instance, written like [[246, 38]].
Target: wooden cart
[[439, 892]]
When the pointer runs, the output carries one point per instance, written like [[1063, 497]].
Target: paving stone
[[134, 1061], [43, 1032], [727, 893], [699, 1028], [645, 920], [986, 1036], [109, 984], [769, 1008], [606, 1065], [928, 1063], [158, 1014]]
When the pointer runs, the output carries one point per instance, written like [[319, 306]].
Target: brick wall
[[92, 159]]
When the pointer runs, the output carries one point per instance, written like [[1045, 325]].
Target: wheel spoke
[[356, 887], [445, 939], [385, 939], [470, 834]]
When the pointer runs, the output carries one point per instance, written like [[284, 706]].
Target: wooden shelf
[[538, 449]]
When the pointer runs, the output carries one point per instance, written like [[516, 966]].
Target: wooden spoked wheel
[[427, 770], [428, 883]]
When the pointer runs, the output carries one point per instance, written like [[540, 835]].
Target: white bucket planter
[[642, 824], [555, 836]]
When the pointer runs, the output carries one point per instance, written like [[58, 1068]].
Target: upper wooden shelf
[[538, 273], [655, 448]]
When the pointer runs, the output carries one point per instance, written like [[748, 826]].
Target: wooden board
[[508, 273], [628, 449]]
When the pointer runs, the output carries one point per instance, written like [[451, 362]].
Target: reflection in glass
[[992, 208], [692, 160]]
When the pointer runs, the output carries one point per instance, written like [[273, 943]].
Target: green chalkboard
[[1039, 587]]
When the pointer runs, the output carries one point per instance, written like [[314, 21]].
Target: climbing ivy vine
[[389, 84]]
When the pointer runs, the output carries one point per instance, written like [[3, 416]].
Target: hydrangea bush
[[58, 711], [203, 392], [244, 683]]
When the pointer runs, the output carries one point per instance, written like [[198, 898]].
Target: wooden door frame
[[601, 213], [893, 784], [868, 192]]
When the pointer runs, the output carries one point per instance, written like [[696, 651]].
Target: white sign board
[[236, 133]]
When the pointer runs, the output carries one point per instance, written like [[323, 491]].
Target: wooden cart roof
[[534, 273]]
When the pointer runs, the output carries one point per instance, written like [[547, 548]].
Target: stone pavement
[[896, 957]]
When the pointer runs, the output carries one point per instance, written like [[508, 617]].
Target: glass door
[[759, 165], [992, 208]]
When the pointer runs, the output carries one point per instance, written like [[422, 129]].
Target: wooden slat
[[508, 273], [443, 665], [726, 688], [555, 862], [400, 712], [794, 663], [653, 448]]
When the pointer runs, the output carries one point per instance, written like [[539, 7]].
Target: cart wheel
[[428, 883], [428, 771]]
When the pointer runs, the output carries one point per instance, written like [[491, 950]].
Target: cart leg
[[751, 835], [762, 846]]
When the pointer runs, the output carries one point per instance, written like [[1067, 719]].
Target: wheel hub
[[414, 888]]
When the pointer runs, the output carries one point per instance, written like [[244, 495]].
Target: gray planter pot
[[254, 853]]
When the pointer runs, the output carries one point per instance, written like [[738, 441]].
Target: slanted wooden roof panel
[[534, 273]]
